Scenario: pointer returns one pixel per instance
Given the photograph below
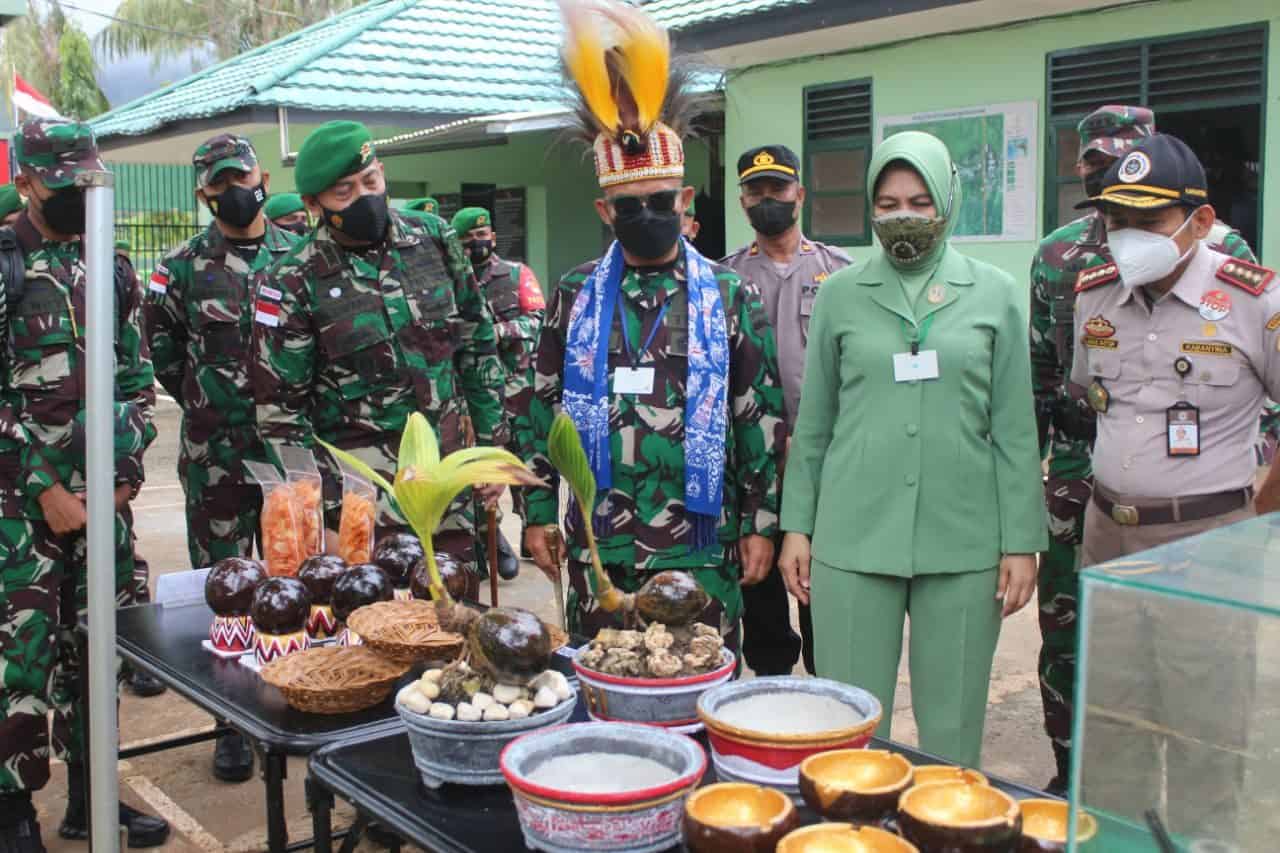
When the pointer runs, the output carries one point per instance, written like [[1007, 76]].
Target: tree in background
[[52, 54], [229, 26]]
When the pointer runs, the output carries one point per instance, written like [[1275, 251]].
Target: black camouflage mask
[[908, 238], [364, 220], [64, 211]]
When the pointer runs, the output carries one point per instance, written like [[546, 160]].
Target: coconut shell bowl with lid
[[318, 575], [960, 817], [359, 585], [397, 554], [228, 590], [281, 607]]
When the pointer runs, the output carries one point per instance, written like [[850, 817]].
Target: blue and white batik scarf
[[706, 417]]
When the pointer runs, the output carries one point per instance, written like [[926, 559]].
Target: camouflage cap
[[1114, 129], [56, 151], [424, 205], [10, 200], [470, 217], [224, 151]]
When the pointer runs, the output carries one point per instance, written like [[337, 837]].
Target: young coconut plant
[[670, 597], [506, 642]]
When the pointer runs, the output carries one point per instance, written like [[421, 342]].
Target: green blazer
[[919, 477]]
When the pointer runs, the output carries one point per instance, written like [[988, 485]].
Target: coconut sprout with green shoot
[[424, 487]]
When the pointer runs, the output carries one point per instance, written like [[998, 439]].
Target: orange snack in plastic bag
[[281, 546], [306, 497], [355, 530]]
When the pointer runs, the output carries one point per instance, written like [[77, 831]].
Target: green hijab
[[928, 156]]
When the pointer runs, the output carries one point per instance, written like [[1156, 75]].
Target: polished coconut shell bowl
[[1044, 826], [926, 773], [960, 817], [736, 817], [844, 838], [861, 785]]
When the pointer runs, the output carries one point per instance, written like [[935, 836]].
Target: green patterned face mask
[[909, 238]]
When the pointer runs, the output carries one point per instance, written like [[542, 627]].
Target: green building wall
[[764, 104]]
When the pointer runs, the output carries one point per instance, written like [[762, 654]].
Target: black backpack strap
[[124, 276], [13, 277]]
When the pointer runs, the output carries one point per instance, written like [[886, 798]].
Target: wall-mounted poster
[[994, 149]]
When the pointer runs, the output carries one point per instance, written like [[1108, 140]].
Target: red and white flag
[[29, 99]]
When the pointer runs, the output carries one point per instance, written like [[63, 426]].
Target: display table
[[165, 642], [374, 772]]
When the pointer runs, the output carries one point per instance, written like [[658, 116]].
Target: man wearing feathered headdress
[[664, 360]]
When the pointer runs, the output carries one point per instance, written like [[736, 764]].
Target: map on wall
[[994, 149]]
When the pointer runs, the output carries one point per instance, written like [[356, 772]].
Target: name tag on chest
[[633, 380], [912, 366]]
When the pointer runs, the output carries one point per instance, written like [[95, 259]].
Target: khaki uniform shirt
[[1230, 336], [788, 300]]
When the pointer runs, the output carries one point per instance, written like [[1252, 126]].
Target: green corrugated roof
[[433, 57]]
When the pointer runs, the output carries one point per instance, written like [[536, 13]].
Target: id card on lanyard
[[917, 364], [636, 380]]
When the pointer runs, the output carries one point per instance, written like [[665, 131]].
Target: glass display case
[[1178, 696]]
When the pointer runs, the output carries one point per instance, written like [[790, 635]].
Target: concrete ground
[[211, 816]]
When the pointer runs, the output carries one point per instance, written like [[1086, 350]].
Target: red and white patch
[[530, 293], [1215, 305], [267, 313], [269, 293], [159, 281]]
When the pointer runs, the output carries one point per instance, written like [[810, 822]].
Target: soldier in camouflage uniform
[[371, 317], [515, 298], [10, 204], [1066, 423], [664, 428], [199, 314], [43, 576]]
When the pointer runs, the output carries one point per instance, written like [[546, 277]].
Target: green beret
[[10, 200], [424, 205], [332, 151], [471, 217], [123, 246], [282, 204]]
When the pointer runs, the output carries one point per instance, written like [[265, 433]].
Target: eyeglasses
[[663, 201]]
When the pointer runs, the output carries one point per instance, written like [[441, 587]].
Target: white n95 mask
[[1143, 257]]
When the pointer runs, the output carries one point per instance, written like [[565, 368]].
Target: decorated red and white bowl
[[232, 633], [321, 624], [794, 722], [601, 811], [667, 702], [268, 647]]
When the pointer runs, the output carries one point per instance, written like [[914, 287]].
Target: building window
[[837, 146], [1206, 88]]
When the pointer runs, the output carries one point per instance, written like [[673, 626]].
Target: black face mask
[[238, 206], [64, 210], [648, 235], [771, 217], [1093, 183], [479, 250], [364, 220]]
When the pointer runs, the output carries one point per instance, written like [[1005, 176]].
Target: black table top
[[376, 774], [165, 641]]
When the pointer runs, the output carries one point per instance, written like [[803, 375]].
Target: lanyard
[[917, 334], [626, 337]]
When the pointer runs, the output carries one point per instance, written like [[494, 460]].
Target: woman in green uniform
[[913, 468]]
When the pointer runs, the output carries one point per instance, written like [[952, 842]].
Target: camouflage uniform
[[43, 577], [349, 343], [1066, 429], [646, 530], [199, 315]]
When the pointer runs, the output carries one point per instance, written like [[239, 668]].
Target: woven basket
[[406, 632], [333, 680]]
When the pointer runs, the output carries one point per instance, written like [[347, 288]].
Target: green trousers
[[955, 622]]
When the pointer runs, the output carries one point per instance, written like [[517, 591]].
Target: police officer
[[372, 317], [515, 298], [1066, 424], [1178, 348], [286, 210], [788, 268], [199, 315], [10, 204], [43, 572]]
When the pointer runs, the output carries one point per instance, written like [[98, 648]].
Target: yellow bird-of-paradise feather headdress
[[630, 97]]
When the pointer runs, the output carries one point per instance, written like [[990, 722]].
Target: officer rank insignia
[[1096, 276], [1246, 276]]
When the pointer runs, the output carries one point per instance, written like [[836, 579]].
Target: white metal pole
[[100, 477]]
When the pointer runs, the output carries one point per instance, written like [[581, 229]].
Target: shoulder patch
[[159, 280], [529, 291], [1274, 322], [1096, 277], [1246, 276]]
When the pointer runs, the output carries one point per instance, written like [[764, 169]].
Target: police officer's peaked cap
[[1157, 172], [332, 151], [769, 161]]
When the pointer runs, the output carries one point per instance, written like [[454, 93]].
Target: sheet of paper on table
[[180, 589]]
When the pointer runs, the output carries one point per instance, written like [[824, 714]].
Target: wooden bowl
[[861, 785], [960, 817], [737, 817], [1044, 826], [926, 773], [844, 838]]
